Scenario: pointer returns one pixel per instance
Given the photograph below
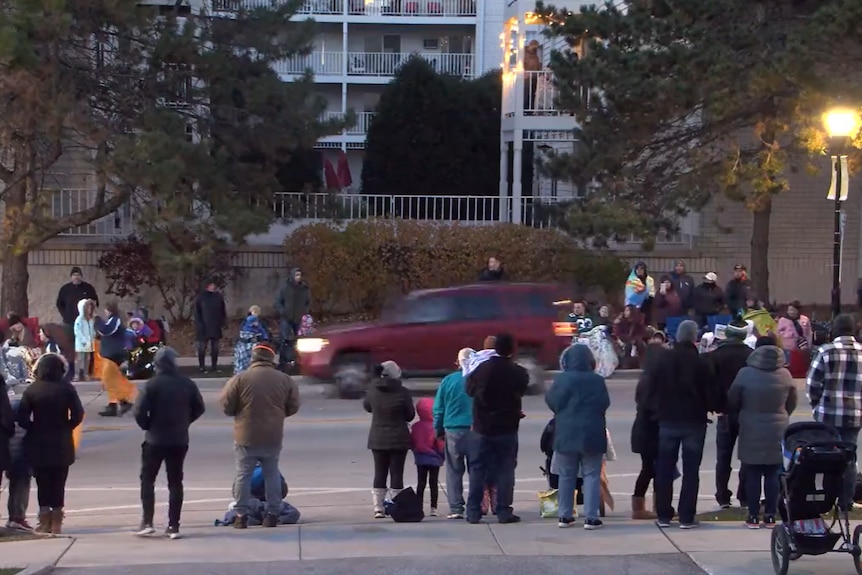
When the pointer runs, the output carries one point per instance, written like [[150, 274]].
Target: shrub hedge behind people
[[355, 268]]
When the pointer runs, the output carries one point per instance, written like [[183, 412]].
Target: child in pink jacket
[[427, 451], [794, 329]]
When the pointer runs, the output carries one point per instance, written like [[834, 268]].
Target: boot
[[125, 407], [109, 411], [378, 496], [639, 510], [44, 521], [57, 521]]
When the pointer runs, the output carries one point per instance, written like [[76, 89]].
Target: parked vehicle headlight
[[310, 344]]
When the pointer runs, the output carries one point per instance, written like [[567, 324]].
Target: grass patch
[[9, 570], [739, 515]]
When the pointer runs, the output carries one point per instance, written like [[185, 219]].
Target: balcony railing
[[363, 121], [402, 8], [320, 63], [71, 201], [378, 64]]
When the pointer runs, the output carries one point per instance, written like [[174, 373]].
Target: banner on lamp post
[[845, 179]]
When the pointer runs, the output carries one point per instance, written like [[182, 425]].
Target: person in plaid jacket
[[834, 386]]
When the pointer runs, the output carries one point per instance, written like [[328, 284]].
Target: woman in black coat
[[645, 433], [50, 409], [391, 409], [7, 426]]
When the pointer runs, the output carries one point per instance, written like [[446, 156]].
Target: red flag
[[330, 177], [344, 170]]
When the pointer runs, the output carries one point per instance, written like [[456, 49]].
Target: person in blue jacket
[[579, 399]]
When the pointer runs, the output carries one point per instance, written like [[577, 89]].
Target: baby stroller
[[140, 364], [812, 485], [546, 444]]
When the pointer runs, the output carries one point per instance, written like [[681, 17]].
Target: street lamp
[[841, 125]]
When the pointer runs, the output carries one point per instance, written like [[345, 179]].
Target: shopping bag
[[548, 504]]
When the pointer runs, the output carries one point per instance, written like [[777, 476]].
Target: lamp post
[[841, 125]]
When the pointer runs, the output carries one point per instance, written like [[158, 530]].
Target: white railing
[[320, 63], [71, 201], [540, 93], [360, 128], [387, 64], [428, 8]]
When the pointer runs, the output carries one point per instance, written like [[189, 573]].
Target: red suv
[[423, 332]]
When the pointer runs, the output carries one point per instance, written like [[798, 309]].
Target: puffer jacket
[[391, 409], [427, 449], [85, 331]]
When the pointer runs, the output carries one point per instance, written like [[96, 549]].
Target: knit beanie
[[736, 331], [687, 332]]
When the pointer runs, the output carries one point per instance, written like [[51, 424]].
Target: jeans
[[569, 465], [51, 486], [726, 434], [389, 463], [428, 475], [247, 459], [202, 352], [850, 435], [457, 448], [492, 459], [672, 436], [753, 476], [174, 458], [18, 495]]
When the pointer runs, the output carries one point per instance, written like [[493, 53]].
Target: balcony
[[71, 201], [374, 64], [363, 121], [370, 8]]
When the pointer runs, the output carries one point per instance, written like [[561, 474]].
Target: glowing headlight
[[310, 344]]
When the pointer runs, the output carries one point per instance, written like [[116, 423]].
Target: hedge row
[[355, 268]]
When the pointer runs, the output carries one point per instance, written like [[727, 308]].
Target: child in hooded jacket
[[427, 451], [85, 336]]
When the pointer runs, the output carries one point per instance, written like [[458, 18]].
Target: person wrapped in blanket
[[251, 331], [19, 352], [289, 514], [142, 343]]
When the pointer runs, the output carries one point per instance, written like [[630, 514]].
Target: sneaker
[[510, 519], [769, 521], [689, 524], [270, 520], [241, 522], [379, 515], [752, 522], [662, 523], [19, 525], [593, 524], [565, 522], [725, 505], [203, 370], [144, 530], [433, 512], [455, 516], [172, 533]]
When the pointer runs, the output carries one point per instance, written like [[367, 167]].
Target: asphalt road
[[324, 460]]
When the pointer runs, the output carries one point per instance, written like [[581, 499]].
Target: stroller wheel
[[780, 550], [856, 551]]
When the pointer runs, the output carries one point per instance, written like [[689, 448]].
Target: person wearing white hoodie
[[85, 336]]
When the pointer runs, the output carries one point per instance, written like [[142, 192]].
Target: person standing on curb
[[68, 297], [210, 320], [259, 399], [7, 427], [293, 302], [453, 417], [167, 406], [19, 475]]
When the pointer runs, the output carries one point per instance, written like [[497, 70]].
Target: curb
[[41, 569]]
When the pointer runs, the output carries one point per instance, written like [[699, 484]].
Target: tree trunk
[[14, 281], [759, 272]]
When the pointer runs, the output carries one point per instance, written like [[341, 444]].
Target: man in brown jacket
[[259, 399]]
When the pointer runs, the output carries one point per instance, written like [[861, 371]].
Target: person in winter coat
[[795, 330], [70, 294], [19, 475], [293, 302], [120, 391], [7, 427], [640, 290], [707, 299], [493, 272], [259, 399], [629, 329], [428, 452], [50, 410], [453, 418], [764, 396], [85, 336], [683, 285], [391, 409], [167, 406], [738, 291], [251, 331], [579, 399], [210, 321], [726, 361], [668, 303]]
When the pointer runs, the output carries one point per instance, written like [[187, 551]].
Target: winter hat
[[262, 352], [166, 360], [736, 330], [389, 369], [687, 332], [464, 356], [76, 270], [711, 277]]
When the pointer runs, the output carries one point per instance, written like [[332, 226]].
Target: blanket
[[289, 514]]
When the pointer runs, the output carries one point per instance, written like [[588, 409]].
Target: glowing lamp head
[[841, 123]]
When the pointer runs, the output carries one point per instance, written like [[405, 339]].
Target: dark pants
[[726, 434], [646, 475], [850, 435], [492, 459], [428, 475], [202, 352], [389, 463], [289, 331], [671, 436], [51, 486], [174, 458], [768, 474]]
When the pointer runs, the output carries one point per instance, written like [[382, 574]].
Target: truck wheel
[[352, 375]]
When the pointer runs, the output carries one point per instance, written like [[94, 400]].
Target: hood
[[293, 271], [425, 409], [577, 357], [137, 319], [767, 358], [51, 367], [637, 265], [81, 304], [166, 360]]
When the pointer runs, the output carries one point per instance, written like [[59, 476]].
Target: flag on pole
[[845, 179]]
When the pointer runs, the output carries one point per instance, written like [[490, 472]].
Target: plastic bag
[[548, 504]]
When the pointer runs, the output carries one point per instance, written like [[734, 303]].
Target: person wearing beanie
[[210, 321], [726, 360], [166, 407], [707, 299], [259, 399], [683, 390], [391, 409], [73, 292], [738, 291]]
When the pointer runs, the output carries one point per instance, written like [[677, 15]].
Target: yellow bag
[[549, 505]]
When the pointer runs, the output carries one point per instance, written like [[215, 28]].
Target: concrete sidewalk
[[434, 546]]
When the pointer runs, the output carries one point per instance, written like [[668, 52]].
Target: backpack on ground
[[406, 507]]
